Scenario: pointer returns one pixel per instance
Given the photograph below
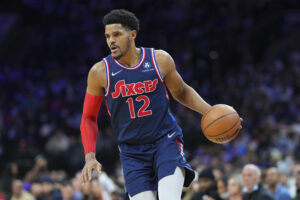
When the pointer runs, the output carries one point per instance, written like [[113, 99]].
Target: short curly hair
[[124, 17]]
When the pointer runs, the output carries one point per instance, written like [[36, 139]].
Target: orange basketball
[[221, 124]]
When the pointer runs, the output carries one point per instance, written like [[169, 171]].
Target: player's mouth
[[113, 48]]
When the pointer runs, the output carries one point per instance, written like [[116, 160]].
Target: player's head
[[121, 28], [251, 176]]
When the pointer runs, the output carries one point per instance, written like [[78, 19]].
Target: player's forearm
[[89, 126], [191, 99], [89, 131]]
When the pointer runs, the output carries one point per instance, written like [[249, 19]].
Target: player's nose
[[111, 41]]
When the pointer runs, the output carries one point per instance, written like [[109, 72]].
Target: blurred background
[[245, 53]]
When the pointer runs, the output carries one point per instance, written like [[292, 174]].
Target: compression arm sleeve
[[88, 126]]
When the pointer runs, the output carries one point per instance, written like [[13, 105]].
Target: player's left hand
[[90, 164]]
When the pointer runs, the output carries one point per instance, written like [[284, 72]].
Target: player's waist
[[172, 131]]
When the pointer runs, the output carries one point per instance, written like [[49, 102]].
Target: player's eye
[[117, 34]]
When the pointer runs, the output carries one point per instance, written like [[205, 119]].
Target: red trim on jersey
[[135, 67], [107, 76], [179, 143], [107, 108], [88, 125], [155, 66], [167, 95]]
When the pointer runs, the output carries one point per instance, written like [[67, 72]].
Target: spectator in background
[[67, 192], [49, 191], [97, 191], [222, 188], [39, 169], [287, 181], [297, 197], [11, 173], [253, 188], [117, 195], [58, 143], [18, 193], [36, 190], [108, 186], [296, 176], [86, 191], [273, 183], [234, 188], [207, 186], [57, 148], [2, 197], [76, 184]]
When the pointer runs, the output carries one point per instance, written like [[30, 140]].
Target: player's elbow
[[180, 93]]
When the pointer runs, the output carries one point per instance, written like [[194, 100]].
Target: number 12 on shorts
[[142, 112]]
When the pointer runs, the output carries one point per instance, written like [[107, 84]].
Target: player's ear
[[133, 34]]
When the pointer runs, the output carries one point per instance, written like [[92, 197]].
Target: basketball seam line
[[210, 109], [232, 136], [217, 120], [226, 130]]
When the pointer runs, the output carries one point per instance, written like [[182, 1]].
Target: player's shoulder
[[97, 74], [97, 69], [162, 54], [163, 57]]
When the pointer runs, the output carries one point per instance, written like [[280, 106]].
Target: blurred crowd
[[247, 183], [39, 183], [242, 53]]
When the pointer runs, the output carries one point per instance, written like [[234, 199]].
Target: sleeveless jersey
[[137, 100]]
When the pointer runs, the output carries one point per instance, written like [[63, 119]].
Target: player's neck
[[132, 57]]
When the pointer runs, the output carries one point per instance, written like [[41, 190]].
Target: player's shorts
[[145, 164]]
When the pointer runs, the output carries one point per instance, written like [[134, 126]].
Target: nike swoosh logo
[[171, 135], [113, 74]]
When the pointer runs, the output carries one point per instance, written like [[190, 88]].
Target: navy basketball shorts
[[145, 164]]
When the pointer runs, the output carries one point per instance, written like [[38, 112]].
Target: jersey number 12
[[142, 112]]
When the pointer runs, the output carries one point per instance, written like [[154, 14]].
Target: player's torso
[[137, 100]]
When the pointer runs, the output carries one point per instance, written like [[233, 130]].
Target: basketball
[[221, 124]]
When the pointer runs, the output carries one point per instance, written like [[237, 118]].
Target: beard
[[122, 53]]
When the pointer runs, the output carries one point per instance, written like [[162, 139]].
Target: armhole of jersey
[[167, 95], [107, 107], [156, 66], [107, 76]]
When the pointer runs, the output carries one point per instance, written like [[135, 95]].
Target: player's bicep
[[172, 78], [174, 82], [96, 80]]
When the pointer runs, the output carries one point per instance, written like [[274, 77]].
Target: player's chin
[[116, 56]]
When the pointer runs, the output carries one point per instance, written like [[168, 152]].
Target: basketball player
[[133, 82]]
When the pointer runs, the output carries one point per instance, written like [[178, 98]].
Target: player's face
[[119, 39]]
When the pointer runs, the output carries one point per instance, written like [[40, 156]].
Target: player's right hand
[[90, 164]]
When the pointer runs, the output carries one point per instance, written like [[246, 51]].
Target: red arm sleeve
[[88, 126]]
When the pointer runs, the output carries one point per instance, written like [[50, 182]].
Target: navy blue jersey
[[137, 100]]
